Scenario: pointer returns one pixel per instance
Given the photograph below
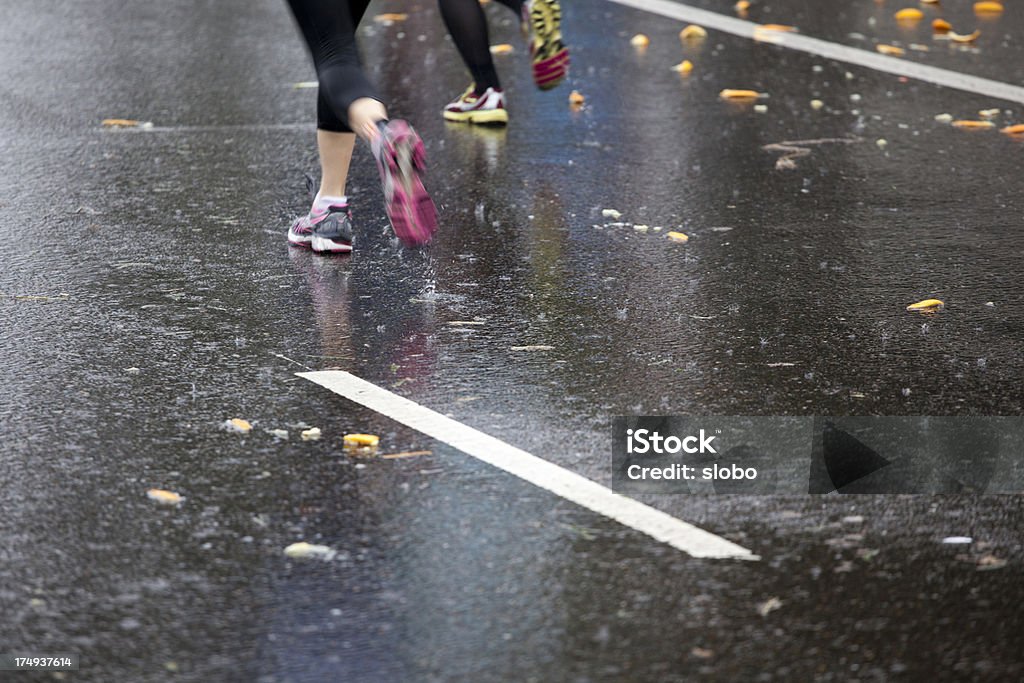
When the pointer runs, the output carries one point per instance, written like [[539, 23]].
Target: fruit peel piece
[[693, 32], [677, 236], [361, 440], [736, 94], [927, 306], [164, 497]]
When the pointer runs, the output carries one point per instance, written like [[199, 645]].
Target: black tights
[[329, 27], [467, 25]]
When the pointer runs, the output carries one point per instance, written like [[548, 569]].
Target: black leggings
[[467, 25], [329, 27]]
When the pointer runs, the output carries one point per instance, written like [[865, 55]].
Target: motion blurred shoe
[[543, 19], [488, 107], [401, 159], [325, 232]]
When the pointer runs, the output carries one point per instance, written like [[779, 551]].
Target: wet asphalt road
[[164, 251]]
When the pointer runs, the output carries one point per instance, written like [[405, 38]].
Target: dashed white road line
[[823, 48], [539, 472]]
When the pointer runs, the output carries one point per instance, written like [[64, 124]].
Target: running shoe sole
[[401, 158], [550, 56], [323, 245], [494, 117]]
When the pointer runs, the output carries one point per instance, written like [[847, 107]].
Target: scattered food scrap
[[964, 38], [640, 40], [781, 28], [734, 94], [796, 149], [405, 454], [502, 49], [576, 98], [677, 236], [988, 113], [990, 562], [684, 67], [125, 123], [957, 540], [988, 7], [941, 26], [817, 104], [311, 434], [278, 433], [890, 50], [944, 118], [164, 497], [238, 425], [1017, 129], [532, 347], [742, 6], [611, 213], [361, 441], [927, 306], [692, 32], [303, 550], [971, 123], [389, 17], [910, 14], [769, 606], [302, 85]]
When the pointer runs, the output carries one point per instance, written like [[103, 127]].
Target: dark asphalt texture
[[149, 295]]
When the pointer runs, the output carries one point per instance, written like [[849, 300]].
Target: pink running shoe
[[326, 232], [401, 158]]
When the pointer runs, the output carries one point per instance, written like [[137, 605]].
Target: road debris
[[278, 433], [971, 123], [304, 85], [360, 441], [390, 17], [532, 347], [739, 94], [405, 454], [796, 149], [640, 40], [238, 425], [769, 606], [576, 99], [693, 32], [964, 37], [957, 540], [677, 236], [941, 26], [684, 67], [303, 550], [988, 7], [311, 434], [890, 50], [1017, 129], [164, 497], [817, 105], [990, 562], [944, 118], [502, 49], [125, 123], [927, 306], [910, 14], [611, 213]]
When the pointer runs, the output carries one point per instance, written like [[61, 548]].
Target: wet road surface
[[149, 295]]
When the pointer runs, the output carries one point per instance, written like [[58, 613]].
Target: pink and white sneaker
[[550, 56], [328, 231], [401, 158], [487, 107]]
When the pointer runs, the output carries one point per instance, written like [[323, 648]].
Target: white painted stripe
[[539, 472], [823, 48]]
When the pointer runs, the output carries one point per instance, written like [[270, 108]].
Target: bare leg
[[335, 158]]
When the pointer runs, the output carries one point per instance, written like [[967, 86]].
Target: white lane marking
[[823, 48], [539, 472]]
